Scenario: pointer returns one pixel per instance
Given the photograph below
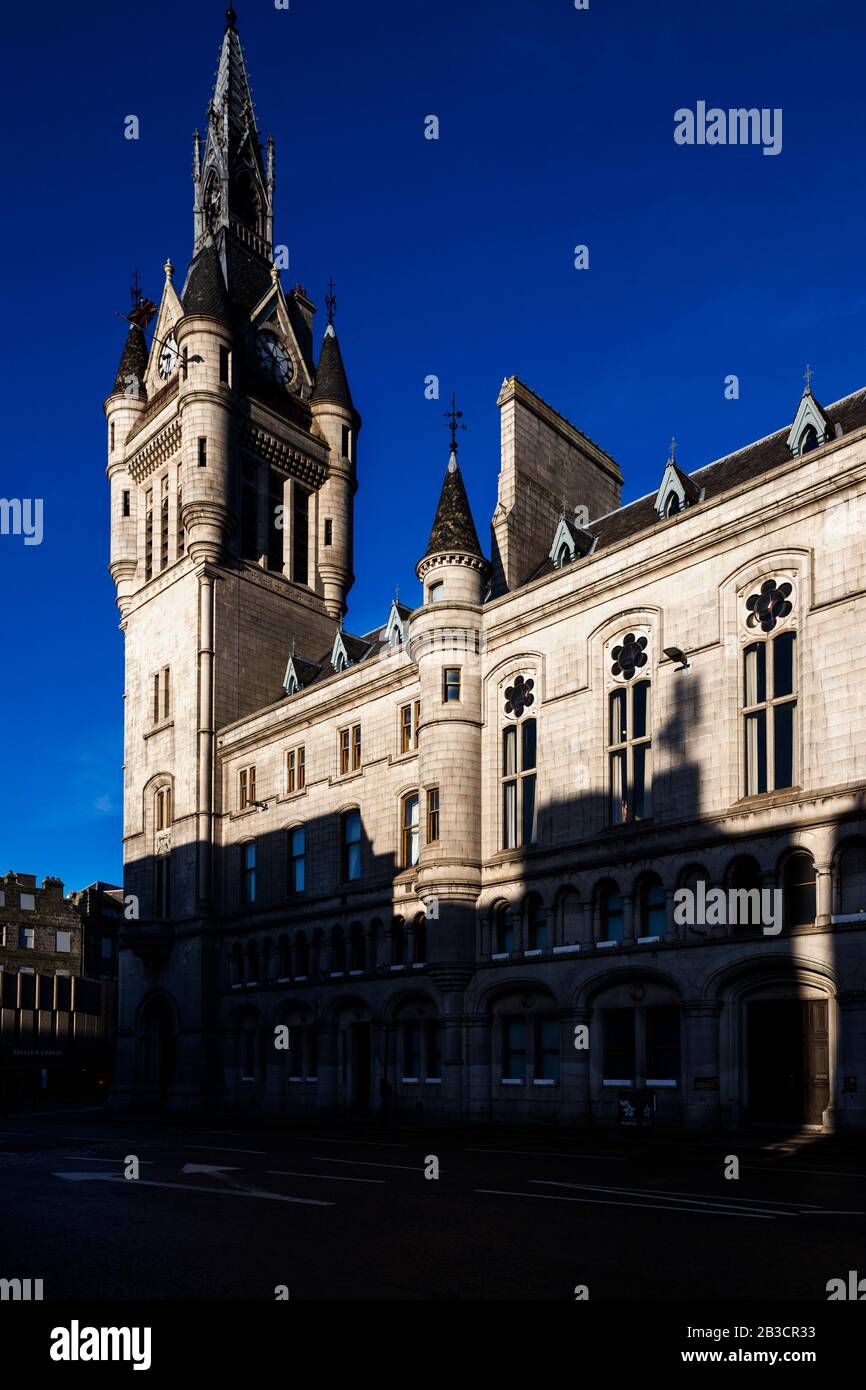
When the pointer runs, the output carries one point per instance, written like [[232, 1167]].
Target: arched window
[[302, 956], [419, 940], [652, 907], [162, 808], [769, 709], [245, 200], [252, 963], [267, 957], [744, 893], [297, 859], [503, 930], [398, 942], [563, 556], [536, 925], [809, 440], [798, 888], [852, 880], [629, 748], [610, 913], [320, 945], [358, 947], [350, 842], [517, 778], [410, 832], [673, 505], [285, 952], [338, 951]]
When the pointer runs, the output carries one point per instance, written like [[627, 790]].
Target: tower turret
[[338, 422], [123, 411]]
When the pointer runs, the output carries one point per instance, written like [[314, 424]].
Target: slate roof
[[453, 525], [331, 381], [719, 477], [133, 360], [358, 650], [205, 290]]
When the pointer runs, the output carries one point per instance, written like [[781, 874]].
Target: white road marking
[[795, 1172], [91, 1158], [368, 1143], [323, 1177], [699, 1203], [633, 1206], [215, 1169], [194, 1187], [363, 1163], [714, 1197]]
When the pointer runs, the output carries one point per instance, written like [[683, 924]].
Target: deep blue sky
[[454, 258]]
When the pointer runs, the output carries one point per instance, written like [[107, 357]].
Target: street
[[345, 1212]]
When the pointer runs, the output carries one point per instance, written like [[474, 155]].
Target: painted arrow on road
[[235, 1190]]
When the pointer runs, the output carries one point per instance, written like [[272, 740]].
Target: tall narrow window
[[298, 848], [412, 1050], [350, 834], [246, 787], [652, 907], [162, 887], [300, 534], [504, 931], [180, 532], [514, 1048], [329, 531], [343, 741], [249, 511], [163, 524], [611, 913], [451, 684], [629, 752], [166, 692], [296, 771], [154, 701], [202, 453], [770, 714], [162, 808], [347, 442], [405, 728], [798, 890], [111, 439], [248, 872], [224, 363], [517, 778], [410, 831], [356, 747], [148, 533], [432, 815], [275, 520], [536, 925], [125, 503], [547, 1049]]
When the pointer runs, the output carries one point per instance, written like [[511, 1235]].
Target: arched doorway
[[157, 1048]]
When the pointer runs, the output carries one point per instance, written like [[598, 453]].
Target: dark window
[[451, 683], [329, 531], [126, 503], [433, 1057], [810, 440], [652, 907], [358, 947], [662, 1024], [412, 1050], [630, 753], [202, 453], [547, 1049], [611, 913], [296, 879], [275, 520], [769, 714], [419, 941], [162, 894], [618, 1045], [537, 925], [347, 442], [432, 815], [224, 363], [248, 872], [517, 778], [798, 887], [351, 845], [300, 536], [514, 1048], [249, 511], [504, 931], [852, 880], [338, 951], [410, 840]]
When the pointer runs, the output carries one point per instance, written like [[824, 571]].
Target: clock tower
[[232, 467]]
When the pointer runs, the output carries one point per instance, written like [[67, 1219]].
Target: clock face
[[167, 357], [275, 359]]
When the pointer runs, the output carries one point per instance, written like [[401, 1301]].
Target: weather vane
[[330, 301], [143, 309], [673, 449], [452, 416], [807, 377]]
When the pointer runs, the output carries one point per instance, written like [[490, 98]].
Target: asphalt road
[[343, 1212]]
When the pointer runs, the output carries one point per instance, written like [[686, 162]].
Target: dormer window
[[677, 491], [673, 505], [339, 655], [810, 429], [571, 542], [809, 440]]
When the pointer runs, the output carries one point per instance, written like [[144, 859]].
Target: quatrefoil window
[[629, 657], [769, 606], [519, 696]]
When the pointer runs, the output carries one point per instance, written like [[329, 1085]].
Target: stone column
[[700, 1064], [823, 895]]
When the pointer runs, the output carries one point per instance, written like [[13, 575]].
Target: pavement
[[225, 1210]]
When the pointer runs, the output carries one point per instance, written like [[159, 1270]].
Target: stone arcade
[[438, 851]]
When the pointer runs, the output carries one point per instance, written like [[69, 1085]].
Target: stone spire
[[453, 525]]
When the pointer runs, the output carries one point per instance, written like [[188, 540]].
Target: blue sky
[[452, 257]]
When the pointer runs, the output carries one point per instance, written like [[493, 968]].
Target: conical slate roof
[[453, 526], [205, 290], [331, 381], [133, 362]]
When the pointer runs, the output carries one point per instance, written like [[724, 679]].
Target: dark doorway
[[789, 1056], [359, 1099], [157, 1043]]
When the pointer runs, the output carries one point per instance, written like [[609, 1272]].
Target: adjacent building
[[577, 838]]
